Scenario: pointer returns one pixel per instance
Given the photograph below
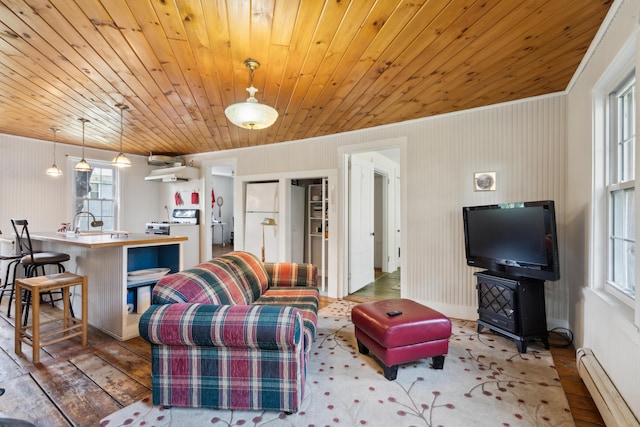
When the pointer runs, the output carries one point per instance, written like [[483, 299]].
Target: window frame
[[114, 200], [616, 182]]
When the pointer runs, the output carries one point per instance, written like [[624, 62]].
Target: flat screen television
[[518, 239]]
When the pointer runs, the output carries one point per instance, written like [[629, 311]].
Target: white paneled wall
[[615, 343], [524, 142], [27, 192], [605, 325]]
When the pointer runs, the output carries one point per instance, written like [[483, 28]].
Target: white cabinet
[[318, 229]]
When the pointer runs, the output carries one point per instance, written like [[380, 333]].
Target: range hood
[[173, 174], [166, 161]]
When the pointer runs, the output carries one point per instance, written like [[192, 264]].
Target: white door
[[360, 224]]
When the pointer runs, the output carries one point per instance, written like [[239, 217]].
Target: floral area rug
[[485, 382]]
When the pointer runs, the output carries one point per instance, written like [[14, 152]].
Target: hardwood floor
[[73, 385], [385, 286], [78, 386], [584, 411]]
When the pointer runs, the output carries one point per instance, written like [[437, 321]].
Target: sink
[[116, 234], [87, 233]]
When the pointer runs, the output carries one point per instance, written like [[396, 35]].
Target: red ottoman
[[416, 333]]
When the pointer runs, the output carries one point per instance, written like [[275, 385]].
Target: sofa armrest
[[244, 326], [290, 274]]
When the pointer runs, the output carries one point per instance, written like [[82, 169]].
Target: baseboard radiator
[[613, 408]]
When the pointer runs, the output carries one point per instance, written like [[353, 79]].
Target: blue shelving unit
[[142, 258]]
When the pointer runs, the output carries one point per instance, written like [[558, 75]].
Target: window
[[621, 190], [95, 193]]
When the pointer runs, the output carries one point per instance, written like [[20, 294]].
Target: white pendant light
[[251, 114], [83, 165], [54, 170], [121, 160]]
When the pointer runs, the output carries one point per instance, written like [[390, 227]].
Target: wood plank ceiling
[[327, 66]]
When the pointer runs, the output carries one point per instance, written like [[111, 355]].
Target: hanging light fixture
[[54, 170], [121, 160], [251, 114], [82, 165]]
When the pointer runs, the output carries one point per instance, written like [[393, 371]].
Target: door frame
[[343, 164], [240, 183], [206, 231], [383, 217]]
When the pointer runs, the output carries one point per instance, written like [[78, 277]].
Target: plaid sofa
[[232, 333]]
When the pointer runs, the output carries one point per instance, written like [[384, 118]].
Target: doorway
[[380, 222], [221, 221], [373, 200]]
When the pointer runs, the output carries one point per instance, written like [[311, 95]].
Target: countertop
[[5, 239], [103, 240]]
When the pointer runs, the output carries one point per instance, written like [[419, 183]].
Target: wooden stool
[[71, 326]]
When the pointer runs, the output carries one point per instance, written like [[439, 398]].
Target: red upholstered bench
[[417, 333]]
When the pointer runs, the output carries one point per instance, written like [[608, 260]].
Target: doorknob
[[373, 234]]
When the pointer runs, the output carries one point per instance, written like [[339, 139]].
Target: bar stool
[[33, 260], [7, 286], [71, 325]]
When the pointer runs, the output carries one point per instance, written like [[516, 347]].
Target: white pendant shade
[[83, 165], [121, 160], [54, 170], [251, 114]]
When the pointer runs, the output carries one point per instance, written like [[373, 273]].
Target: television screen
[[518, 239]]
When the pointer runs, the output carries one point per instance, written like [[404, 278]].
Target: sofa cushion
[[304, 299], [289, 274], [242, 326], [234, 278]]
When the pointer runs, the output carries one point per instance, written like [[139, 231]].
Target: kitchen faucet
[[94, 223]]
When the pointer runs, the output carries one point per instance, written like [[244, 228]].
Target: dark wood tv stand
[[513, 307]]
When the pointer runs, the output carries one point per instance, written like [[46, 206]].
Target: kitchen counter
[[115, 302], [103, 240]]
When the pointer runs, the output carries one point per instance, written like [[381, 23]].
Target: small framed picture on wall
[[484, 181]]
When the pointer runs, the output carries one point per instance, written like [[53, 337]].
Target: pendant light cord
[[121, 127], [83, 122], [122, 107], [55, 132]]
